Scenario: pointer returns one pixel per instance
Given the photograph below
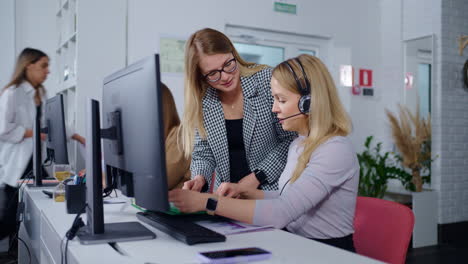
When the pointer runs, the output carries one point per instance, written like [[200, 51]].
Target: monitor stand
[[116, 232], [95, 231]]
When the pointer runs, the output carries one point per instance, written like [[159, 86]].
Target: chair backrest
[[382, 229]]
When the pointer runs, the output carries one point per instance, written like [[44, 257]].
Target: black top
[[237, 159]]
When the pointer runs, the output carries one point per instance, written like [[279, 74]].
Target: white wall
[[7, 40], [101, 49], [353, 25], [35, 28], [420, 17], [391, 66]]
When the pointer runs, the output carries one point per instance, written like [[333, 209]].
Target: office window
[[260, 54], [310, 52], [272, 47]]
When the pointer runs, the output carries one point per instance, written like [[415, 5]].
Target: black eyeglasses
[[229, 66]]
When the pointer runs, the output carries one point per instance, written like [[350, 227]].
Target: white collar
[[28, 88]]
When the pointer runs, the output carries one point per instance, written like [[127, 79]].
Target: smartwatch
[[211, 205], [261, 176]]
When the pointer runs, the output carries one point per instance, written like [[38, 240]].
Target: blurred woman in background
[[18, 102]]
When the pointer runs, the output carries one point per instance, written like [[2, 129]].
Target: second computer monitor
[[133, 136], [56, 142]]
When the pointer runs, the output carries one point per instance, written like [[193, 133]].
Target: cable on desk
[[71, 233], [27, 248], [18, 215], [61, 250], [66, 247], [109, 189]]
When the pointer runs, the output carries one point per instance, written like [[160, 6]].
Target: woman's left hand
[[188, 201]]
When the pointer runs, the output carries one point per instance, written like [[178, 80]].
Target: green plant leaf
[[377, 168]]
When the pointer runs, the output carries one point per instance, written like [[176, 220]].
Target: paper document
[[115, 200], [232, 227]]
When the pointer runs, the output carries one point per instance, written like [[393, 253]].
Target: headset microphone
[[279, 120]]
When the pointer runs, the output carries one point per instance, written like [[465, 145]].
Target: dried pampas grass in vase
[[410, 133]]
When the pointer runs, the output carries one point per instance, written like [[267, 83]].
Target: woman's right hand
[[79, 138], [195, 184], [28, 133]]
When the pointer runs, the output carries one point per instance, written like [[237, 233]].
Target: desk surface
[[286, 247]]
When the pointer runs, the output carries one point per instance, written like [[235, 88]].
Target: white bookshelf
[[91, 44], [66, 46], [65, 65]]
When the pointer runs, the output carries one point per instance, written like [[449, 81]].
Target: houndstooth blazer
[[266, 143]]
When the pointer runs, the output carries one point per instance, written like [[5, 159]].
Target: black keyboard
[[181, 228]]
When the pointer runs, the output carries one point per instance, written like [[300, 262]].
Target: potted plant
[[412, 137], [375, 170]]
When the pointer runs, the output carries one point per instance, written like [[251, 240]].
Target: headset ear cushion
[[304, 104]]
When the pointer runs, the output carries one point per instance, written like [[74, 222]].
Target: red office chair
[[382, 229]]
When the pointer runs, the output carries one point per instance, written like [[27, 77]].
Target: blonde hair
[[327, 117], [170, 117], [27, 57], [206, 41]]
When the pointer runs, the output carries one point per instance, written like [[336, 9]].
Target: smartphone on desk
[[239, 255]]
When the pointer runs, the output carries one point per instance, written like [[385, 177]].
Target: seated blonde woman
[[177, 166]]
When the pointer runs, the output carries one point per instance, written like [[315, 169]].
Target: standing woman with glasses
[[228, 127], [18, 101]]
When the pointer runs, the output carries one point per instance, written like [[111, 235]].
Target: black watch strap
[[211, 205], [261, 176], [204, 188]]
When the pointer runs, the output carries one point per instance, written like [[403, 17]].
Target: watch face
[[211, 204]]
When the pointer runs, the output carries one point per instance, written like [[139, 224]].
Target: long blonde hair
[[170, 117], [327, 117], [206, 41], [27, 56]]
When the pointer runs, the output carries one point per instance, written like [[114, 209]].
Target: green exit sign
[[285, 8]]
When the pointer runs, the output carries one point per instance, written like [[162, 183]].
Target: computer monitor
[[132, 103], [56, 143], [133, 146]]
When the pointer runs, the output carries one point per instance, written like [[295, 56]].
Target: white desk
[[46, 223]]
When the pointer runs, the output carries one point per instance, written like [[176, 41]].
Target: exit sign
[[285, 8]]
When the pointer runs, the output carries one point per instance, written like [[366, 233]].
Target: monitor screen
[[56, 143], [134, 150]]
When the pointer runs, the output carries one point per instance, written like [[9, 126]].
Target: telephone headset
[[304, 101]]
